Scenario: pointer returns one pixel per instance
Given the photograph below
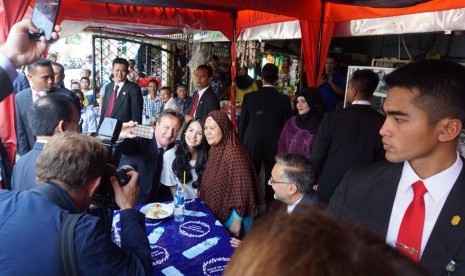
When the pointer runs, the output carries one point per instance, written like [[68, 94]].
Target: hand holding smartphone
[[44, 17]]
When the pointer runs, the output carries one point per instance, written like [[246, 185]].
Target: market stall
[[317, 21]]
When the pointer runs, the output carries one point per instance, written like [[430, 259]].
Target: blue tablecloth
[[173, 244]]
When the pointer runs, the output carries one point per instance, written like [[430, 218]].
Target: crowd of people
[[335, 191]]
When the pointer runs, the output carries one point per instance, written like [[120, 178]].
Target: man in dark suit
[[263, 115], [147, 154], [41, 78], [122, 99], [20, 83], [49, 115], [292, 179], [350, 136], [59, 71], [204, 99], [416, 204]]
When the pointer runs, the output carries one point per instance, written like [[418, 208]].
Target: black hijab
[[243, 81], [312, 119]]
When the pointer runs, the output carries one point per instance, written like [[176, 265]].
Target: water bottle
[[171, 271], [198, 249], [179, 204], [155, 235]]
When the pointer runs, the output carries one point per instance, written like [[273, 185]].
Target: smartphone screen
[[144, 131], [44, 17]]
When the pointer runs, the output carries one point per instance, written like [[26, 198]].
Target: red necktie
[[411, 228], [194, 105], [37, 96], [111, 102]]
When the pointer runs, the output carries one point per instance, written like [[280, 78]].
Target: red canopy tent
[[317, 20]]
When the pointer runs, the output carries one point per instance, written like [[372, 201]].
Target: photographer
[[69, 170]]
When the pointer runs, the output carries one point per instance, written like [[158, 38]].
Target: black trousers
[[269, 193]]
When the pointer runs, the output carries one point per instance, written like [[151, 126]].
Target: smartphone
[[44, 17], [144, 131]]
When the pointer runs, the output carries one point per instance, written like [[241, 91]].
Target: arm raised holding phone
[[19, 50]]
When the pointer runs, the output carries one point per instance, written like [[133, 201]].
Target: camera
[[105, 196]]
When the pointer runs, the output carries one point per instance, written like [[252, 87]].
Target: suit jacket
[[263, 116], [7, 84], [207, 103], [144, 154], [346, 138], [23, 101], [128, 105], [20, 83], [366, 195], [310, 200], [24, 176]]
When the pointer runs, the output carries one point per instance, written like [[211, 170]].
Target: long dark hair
[[183, 156]]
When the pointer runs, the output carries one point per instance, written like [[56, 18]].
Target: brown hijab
[[229, 181]]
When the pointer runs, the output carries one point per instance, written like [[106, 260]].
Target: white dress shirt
[[41, 94], [438, 186], [120, 85], [361, 102], [291, 207]]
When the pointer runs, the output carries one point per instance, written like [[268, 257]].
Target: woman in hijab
[[229, 185], [299, 132]]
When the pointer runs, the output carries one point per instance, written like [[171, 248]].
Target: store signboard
[[380, 92]]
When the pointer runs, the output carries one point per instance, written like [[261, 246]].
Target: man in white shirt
[[169, 102], [416, 201]]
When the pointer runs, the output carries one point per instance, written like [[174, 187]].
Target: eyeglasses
[[271, 181]]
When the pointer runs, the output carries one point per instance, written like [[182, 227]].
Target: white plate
[[164, 210]]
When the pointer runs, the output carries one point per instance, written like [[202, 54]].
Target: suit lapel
[[382, 199], [448, 235], [106, 98], [123, 93]]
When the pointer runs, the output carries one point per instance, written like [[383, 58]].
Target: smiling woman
[[229, 186], [184, 163]]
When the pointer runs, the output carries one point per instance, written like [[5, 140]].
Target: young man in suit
[[263, 115], [204, 99], [41, 78], [49, 115], [350, 136], [123, 99], [416, 203]]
